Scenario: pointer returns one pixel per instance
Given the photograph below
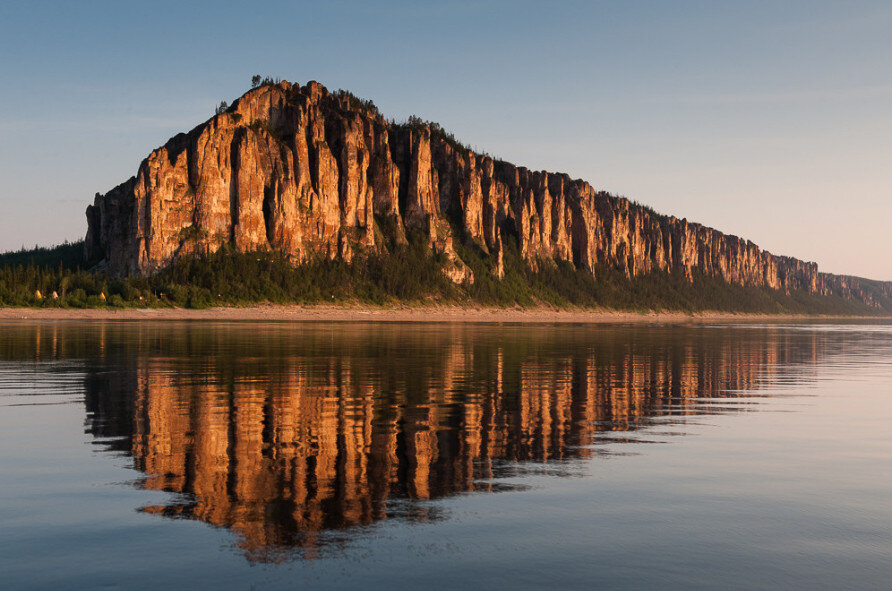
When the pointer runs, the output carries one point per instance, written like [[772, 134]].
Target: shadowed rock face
[[306, 172]]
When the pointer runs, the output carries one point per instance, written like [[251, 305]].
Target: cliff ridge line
[[306, 172]]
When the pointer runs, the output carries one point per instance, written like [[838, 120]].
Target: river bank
[[294, 313]]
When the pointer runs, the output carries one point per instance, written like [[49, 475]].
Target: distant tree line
[[403, 273]]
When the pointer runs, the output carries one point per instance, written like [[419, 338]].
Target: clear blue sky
[[769, 120]]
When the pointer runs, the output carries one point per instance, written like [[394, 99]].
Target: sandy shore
[[268, 313]]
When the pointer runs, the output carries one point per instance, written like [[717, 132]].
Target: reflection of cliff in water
[[287, 434]]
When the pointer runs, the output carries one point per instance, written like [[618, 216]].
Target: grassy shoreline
[[404, 275], [357, 313]]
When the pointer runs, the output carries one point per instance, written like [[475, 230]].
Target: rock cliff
[[306, 172]]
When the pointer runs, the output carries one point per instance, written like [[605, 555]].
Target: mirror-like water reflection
[[303, 443], [280, 434]]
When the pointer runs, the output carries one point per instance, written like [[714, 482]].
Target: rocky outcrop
[[305, 172]]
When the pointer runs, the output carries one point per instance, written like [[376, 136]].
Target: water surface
[[144, 455]]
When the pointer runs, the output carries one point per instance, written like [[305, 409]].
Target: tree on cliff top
[[257, 81]]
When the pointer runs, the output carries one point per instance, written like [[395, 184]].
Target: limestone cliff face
[[305, 172]]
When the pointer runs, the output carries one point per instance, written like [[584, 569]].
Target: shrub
[[116, 301], [405, 269], [77, 298]]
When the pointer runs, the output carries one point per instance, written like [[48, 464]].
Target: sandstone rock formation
[[305, 172]]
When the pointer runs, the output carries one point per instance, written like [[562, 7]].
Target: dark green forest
[[409, 273]]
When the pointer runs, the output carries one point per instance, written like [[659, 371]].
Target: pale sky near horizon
[[768, 120]]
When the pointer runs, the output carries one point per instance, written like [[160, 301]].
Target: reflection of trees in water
[[287, 435]]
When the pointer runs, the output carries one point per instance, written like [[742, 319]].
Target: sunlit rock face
[[305, 172]]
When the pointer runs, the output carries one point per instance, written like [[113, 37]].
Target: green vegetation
[[257, 81], [415, 123], [406, 273], [356, 103], [410, 272], [647, 208], [263, 125], [561, 284], [69, 255]]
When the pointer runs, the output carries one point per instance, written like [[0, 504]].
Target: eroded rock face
[[305, 172]]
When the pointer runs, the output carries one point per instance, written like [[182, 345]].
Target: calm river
[[153, 455]]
